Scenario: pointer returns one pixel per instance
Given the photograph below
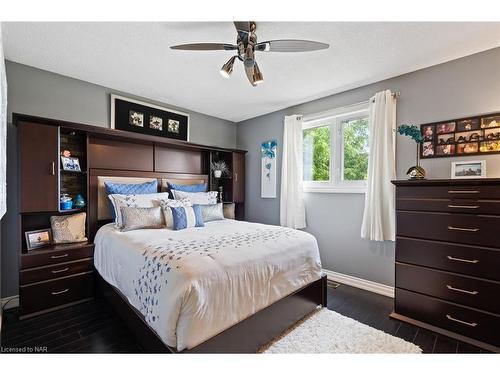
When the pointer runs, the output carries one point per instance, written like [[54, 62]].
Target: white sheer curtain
[[292, 211], [379, 217], [3, 131]]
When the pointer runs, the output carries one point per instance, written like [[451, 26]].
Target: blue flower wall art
[[268, 153]]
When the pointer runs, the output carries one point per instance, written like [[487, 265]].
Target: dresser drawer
[[465, 290], [59, 254], [465, 321], [450, 192], [466, 259], [32, 275], [468, 229], [47, 294], [464, 206]]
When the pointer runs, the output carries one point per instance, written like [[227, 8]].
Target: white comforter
[[192, 284]]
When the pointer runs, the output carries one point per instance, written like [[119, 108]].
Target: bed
[[230, 286]]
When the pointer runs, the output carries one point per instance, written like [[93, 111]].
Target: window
[[335, 147]]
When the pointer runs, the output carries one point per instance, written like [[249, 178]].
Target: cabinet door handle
[[449, 317], [463, 229], [462, 260], [474, 292], [59, 271], [235, 177], [463, 191], [59, 256], [53, 168], [459, 206], [60, 292]]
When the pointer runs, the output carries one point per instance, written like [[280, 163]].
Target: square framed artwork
[[70, 164], [145, 118], [468, 169]]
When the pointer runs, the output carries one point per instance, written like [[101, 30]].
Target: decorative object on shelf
[[66, 153], [219, 168], [65, 202], [79, 201], [416, 172], [467, 136], [68, 228], [468, 169], [221, 194], [70, 164], [38, 238], [145, 118], [268, 151]]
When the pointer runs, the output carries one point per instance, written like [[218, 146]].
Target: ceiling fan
[[246, 46]]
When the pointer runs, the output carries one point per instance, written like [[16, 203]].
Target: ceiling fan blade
[[205, 47], [290, 45], [249, 73], [242, 26]]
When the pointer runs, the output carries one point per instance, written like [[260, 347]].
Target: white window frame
[[334, 119]]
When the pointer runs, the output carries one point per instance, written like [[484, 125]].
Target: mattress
[[192, 284]]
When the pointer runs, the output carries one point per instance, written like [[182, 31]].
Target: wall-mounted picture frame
[[70, 164], [146, 118], [36, 239], [468, 169]]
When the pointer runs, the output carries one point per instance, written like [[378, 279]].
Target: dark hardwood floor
[[93, 327]]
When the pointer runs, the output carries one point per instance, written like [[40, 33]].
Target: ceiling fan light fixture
[[257, 74], [249, 58], [227, 68]]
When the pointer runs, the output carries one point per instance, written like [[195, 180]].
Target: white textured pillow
[[209, 197], [134, 200], [167, 212]]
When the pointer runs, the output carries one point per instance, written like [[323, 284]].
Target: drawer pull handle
[[449, 317], [59, 256], [455, 206], [462, 260], [474, 292], [463, 229], [60, 292], [59, 271], [463, 191]]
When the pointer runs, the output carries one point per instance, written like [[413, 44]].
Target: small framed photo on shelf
[[38, 238], [70, 164], [468, 169]]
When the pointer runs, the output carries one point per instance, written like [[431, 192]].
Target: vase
[[217, 174], [416, 172], [79, 201]]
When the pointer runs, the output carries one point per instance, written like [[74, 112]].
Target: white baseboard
[[14, 302], [356, 282]]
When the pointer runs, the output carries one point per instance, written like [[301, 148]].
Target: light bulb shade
[[257, 74], [227, 68], [249, 59]]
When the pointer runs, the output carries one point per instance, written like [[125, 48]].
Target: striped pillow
[[187, 217]]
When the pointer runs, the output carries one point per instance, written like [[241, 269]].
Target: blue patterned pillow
[[128, 189], [187, 217], [196, 188]]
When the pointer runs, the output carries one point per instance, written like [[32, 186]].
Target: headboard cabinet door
[[111, 154], [173, 160]]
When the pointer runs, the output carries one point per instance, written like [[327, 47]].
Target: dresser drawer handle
[[59, 256], [463, 191], [455, 206], [60, 292], [474, 292], [463, 229], [59, 271], [462, 260], [449, 317]]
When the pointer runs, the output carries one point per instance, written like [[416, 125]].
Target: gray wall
[[462, 87], [37, 92]]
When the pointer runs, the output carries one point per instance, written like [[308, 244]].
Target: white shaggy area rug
[[326, 331]]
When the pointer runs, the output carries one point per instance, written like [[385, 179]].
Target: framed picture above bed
[[145, 118]]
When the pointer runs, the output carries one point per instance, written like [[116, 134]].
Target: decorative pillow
[[134, 200], [142, 218], [211, 212], [119, 188], [187, 217], [68, 228], [209, 197], [229, 211], [195, 188], [167, 212]]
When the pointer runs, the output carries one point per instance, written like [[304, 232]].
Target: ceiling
[[135, 58]]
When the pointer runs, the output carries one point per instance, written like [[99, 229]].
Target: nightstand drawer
[[56, 254], [32, 275], [465, 290], [47, 294]]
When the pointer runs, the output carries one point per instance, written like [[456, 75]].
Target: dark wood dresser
[[448, 258]]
